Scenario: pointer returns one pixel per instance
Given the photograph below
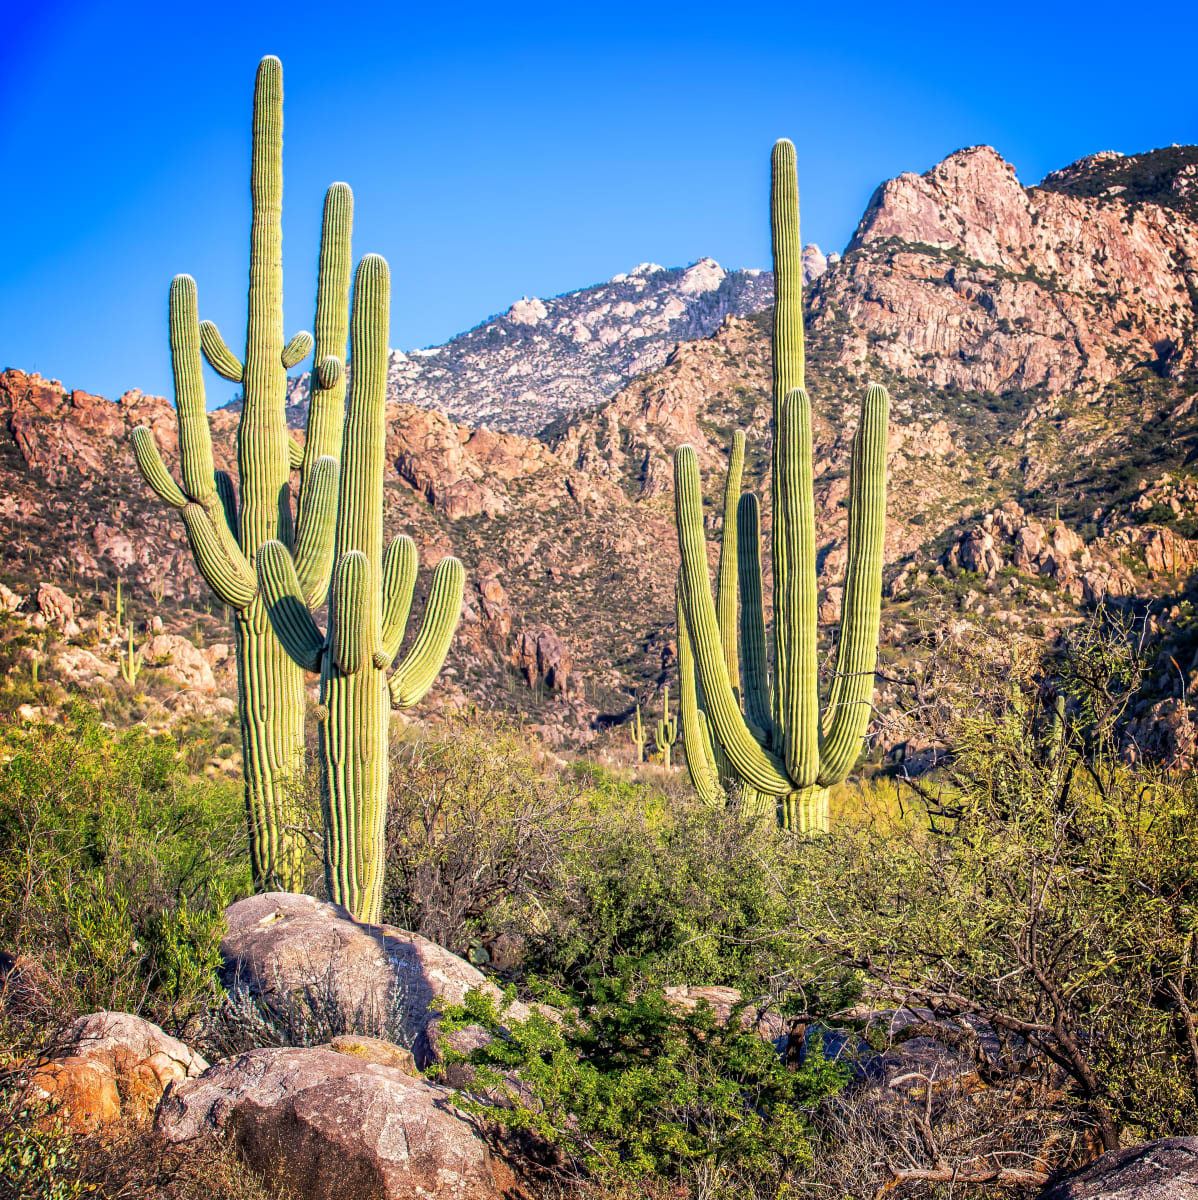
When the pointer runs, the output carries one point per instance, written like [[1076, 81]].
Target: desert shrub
[[325, 1008], [115, 869], [591, 872], [636, 1093], [1038, 898], [474, 826], [682, 895], [41, 1160]]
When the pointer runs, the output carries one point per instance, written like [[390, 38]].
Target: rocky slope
[[1030, 477], [545, 359], [962, 277]]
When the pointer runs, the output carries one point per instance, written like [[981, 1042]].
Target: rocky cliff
[[963, 277]]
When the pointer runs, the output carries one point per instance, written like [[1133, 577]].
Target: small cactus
[[636, 734], [131, 661], [666, 732]]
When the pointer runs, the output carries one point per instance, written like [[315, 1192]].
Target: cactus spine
[[226, 530], [768, 741], [666, 732], [369, 600]]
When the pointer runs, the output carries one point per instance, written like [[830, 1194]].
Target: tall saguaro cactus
[[226, 529], [779, 747], [369, 600]]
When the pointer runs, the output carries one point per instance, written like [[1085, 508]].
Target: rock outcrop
[[1162, 1170], [966, 278], [290, 948], [117, 1065], [334, 1127]]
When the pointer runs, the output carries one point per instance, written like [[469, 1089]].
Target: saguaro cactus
[[665, 734], [369, 600], [778, 748], [225, 530], [636, 734]]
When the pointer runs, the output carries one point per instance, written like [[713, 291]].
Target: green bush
[[588, 869], [635, 1091], [682, 894], [1042, 886], [115, 868]]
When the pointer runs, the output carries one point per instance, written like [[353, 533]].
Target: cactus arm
[[758, 703], [416, 674], [726, 582], [153, 469], [195, 438], [227, 576], [351, 639], [286, 525], [400, 564], [316, 520], [295, 454], [788, 362], [326, 394], [220, 358], [789, 355], [849, 702], [314, 537], [285, 605], [762, 769], [798, 678], [263, 456], [297, 349], [360, 511]]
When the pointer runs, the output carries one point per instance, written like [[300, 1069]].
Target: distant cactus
[[226, 531], [130, 660], [636, 733], [778, 750], [369, 602], [666, 732]]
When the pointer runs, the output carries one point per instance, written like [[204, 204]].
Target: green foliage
[[689, 895], [1043, 886], [36, 1163], [114, 869], [632, 1088]]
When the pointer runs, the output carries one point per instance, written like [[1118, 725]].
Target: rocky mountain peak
[[964, 277], [1167, 176], [544, 359], [972, 201]]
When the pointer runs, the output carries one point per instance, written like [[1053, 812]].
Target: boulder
[[81, 667], [334, 1127], [379, 979], [83, 1093], [55, 608], [141, 1059], [181, 661], [117, 1065], [1162, 1170]]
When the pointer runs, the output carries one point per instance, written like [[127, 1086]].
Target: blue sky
[[509, 149]]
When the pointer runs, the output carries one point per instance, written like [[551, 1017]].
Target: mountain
[[1167, 177], [1040, 351], [547, 359]]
